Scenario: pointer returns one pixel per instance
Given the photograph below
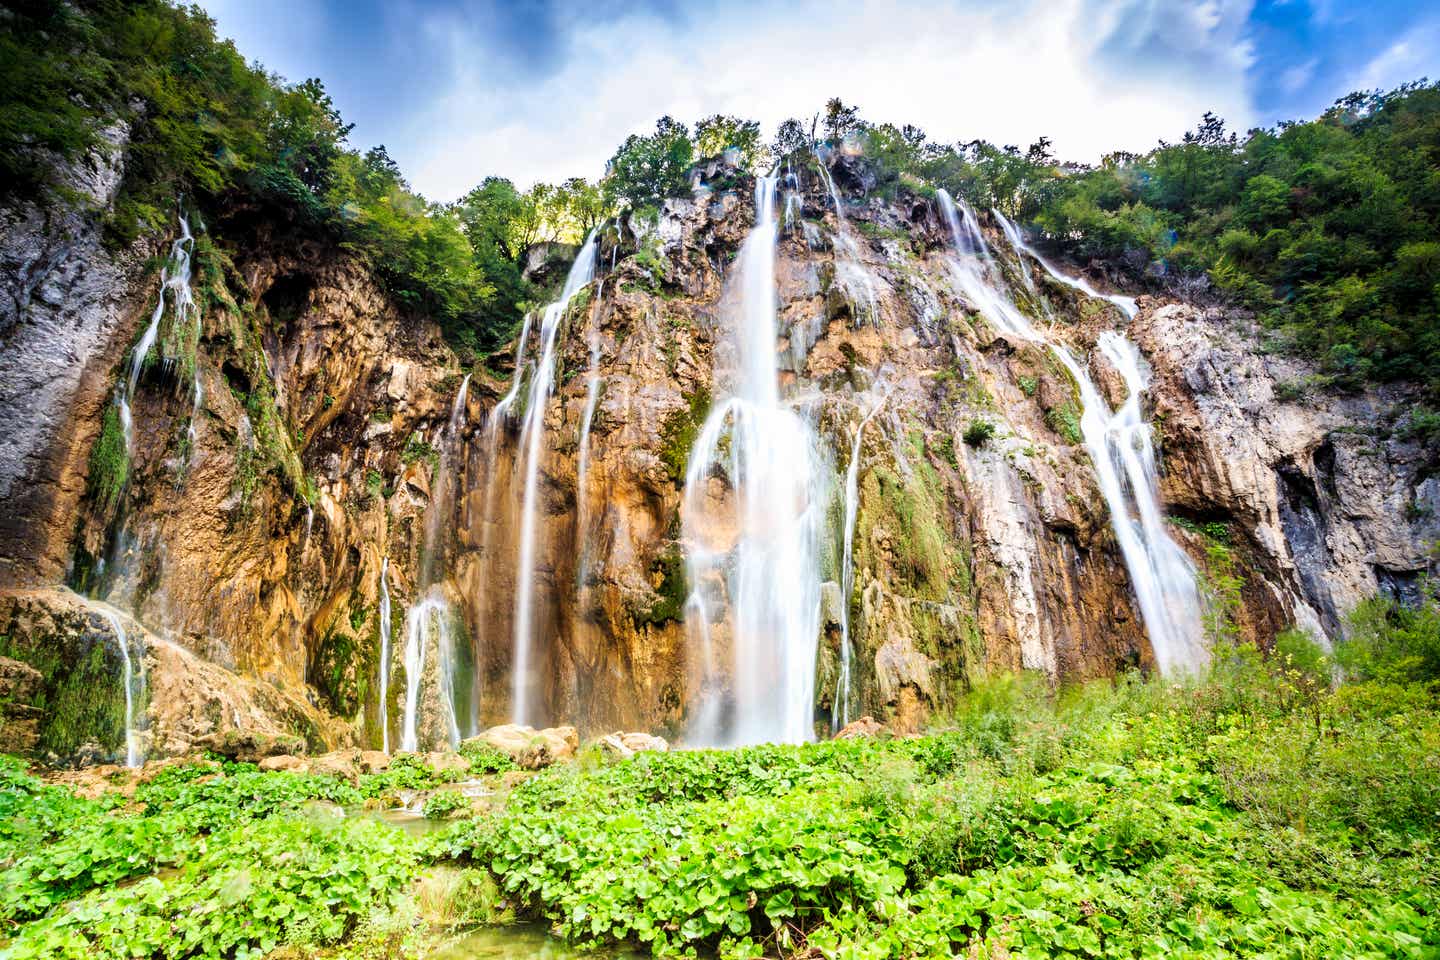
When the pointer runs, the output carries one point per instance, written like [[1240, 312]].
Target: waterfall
[[429, 619], [757, 558], [592, 396], [531, 434], [1012, 233], [973, 270], [134, 687], [432, 615], [192, 433], [178, 283], [385, 653], [847, 570], [851, 274], [1119, 445]]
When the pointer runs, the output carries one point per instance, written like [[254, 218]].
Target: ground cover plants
[[1258, 811]]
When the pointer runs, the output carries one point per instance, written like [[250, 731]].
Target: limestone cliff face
[[331, 443]]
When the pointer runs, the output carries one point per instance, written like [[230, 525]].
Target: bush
[[978, 432], [1391, 642]]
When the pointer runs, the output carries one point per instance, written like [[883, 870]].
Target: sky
[[533, 90]]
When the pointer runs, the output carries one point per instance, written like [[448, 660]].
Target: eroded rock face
[[1333, 502], [329, 470], [68, 306]]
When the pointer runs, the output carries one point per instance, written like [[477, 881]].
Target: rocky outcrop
[[180, 703], [1331, 500], [68, 308]]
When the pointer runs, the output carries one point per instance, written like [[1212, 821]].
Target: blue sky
[[545, 89]]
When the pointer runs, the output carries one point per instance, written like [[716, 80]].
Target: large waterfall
[[531, 451], [752, 513], [1118, 442]]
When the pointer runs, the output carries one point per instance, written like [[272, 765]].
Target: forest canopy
[[1326, 229]]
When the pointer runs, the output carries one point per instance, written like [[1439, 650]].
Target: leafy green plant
[[978, 432]]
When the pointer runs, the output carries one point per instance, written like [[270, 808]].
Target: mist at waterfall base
[[1118, 442], [752, 514]]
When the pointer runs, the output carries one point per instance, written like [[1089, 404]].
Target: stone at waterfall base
[[861, 729], [252, 746], [623, 746], [531, 749]]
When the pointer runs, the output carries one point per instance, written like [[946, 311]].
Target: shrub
[[978, 432]]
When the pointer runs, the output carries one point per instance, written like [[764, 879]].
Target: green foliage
[[1391, 642], [978, 432], [484, 758], [647, 170], [109, 462], [719, 133], [1253, 811], [1115, 820], [1065, 420], [444, 804], [678, 432]]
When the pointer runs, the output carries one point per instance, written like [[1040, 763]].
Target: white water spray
[[531, 435], [429, 623], [756, 558]]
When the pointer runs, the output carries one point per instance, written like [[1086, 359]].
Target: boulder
[[286, 762], [340, 764], [252, 746], [20, 685], [531, 748], [373, 761], [865, 727], [446, 760], [623, 746]]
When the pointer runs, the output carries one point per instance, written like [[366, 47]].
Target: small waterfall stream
[[174, 277], [754, 556], [843, 683], [385, 653], [587, 419], [531, 446], [134, 684], [431, 621], [1118, 442], [851, 274]]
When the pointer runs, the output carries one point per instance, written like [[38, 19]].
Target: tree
[[714, 135], [647, 170], [582, 207], [790, 137], [840, 120]]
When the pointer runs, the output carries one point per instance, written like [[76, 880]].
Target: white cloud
[[1409, 58], [1094, 75]]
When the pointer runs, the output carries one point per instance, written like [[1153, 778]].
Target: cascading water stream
[[385, 653], [756, 558], [177, 281], [1012, 233], [851, 274], [431, 618], [1118, 443], [134, 755], [531, 434], [582, 469], [847, 569]]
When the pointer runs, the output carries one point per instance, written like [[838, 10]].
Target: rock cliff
[[310, 455]]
